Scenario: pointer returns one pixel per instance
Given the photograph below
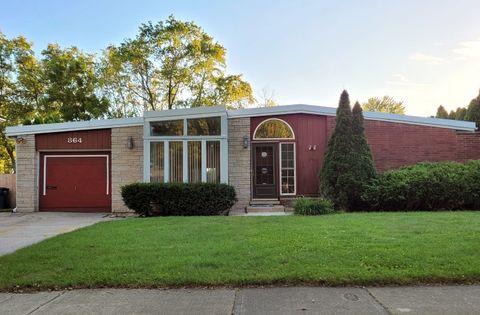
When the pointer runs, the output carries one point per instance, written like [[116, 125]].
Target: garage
[[74, 171]]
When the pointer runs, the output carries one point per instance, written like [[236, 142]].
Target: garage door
[[75, 182]]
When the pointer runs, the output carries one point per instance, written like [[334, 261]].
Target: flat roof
[[237, 113]]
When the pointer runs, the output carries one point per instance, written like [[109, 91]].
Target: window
[[273, 129], [167, 128], [210, 126], [176, 161], [287, 168], [194, 161], [213, 161], [157, 162]]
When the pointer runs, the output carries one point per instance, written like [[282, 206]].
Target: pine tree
[[335, 176], [473, 110], [441, 112], [363, 168]]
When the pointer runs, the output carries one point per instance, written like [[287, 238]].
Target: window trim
[[271, 119], [294, 169], [223, 138]]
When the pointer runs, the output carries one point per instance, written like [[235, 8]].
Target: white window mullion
[[166, 162], [185, 161], [204, 161]]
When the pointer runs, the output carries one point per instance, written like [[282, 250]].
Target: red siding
[[310, 130], [91, 140], [393, 145]]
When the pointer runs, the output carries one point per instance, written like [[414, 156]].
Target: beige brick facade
[[27, 175], [239, 167], [127, 164]]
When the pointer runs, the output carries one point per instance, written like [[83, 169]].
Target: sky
[[424, 53]]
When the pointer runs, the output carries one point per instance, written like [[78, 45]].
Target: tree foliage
[[167, 65], [363, 168], [442, 112], [335, 175], [385, 104], [473, 110], [348, 164]]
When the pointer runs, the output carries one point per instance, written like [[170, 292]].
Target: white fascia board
[[184, 112], [331, 111], [74, 126]]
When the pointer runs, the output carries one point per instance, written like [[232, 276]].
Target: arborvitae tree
[[363, 168], [336, 176], [473, 110], [441, 112], [461, 113], [452, 114]]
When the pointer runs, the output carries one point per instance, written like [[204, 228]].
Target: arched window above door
[[273, 128]]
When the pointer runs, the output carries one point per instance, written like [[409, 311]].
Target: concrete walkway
[[293, 300], [18, 230]]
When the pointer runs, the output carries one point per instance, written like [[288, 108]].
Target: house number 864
[[74, 140]]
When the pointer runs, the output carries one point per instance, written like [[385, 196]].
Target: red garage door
[[75, 182]]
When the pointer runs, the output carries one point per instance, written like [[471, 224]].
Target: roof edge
[[73, 126]]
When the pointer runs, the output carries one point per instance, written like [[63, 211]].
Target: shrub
[[426, 186], [312, 206], [179, 198]]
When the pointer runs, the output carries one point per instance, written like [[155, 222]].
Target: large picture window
[[176, 161], [157, 161], [194, 161], [213, 161], [287, 168], [166, 128], [210, 126]]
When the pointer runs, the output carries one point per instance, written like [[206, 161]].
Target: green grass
[[341, 249]]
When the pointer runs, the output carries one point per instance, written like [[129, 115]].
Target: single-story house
[[268, 154]]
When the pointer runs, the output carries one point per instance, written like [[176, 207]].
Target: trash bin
[[3, 197]]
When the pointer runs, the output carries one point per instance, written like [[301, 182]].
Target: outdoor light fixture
[[130, 142], [21, 140], [245, 142]]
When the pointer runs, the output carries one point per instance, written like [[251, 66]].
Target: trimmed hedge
[[426, 186], [179, 199], [312, 206]]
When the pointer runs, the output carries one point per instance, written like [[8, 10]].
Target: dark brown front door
[[264, 177]]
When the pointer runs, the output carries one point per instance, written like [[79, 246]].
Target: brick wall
[[127, 164], [239, 162], [27, 196], [396, 144]]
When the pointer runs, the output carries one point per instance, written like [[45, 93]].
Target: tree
[[461, 113], [15, 97], [335, 175], [441, 112], [167, 65], [473, 110], [267, 98], [385, 104], [363, 168], [71, 84]]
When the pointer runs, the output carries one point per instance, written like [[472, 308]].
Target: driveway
[[18, 230]]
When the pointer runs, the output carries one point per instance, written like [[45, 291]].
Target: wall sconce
[[130, 142], [20, 140], [245, 142]]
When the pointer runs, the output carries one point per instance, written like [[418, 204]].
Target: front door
[[264, 166]]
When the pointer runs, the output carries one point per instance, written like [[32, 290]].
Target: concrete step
[[265, 208], [256, 202]]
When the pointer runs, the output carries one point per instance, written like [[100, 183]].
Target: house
[[272, 154]]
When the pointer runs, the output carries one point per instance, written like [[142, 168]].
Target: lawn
[[340, 249]]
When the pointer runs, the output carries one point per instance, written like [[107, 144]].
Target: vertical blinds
[[194, 161], [176, 161], [195, 166], [213, 161]]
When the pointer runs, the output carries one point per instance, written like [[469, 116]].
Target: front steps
[[265, 206]]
